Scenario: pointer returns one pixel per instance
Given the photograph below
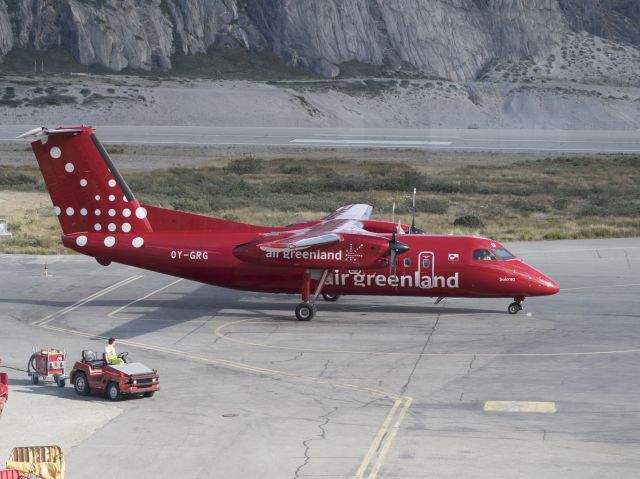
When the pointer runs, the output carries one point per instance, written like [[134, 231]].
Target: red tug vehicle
[[93, 375]]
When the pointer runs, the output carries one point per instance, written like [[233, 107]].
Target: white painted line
[[520, 406], [371, 142], [77, 304], [388, 136], [121, 308]]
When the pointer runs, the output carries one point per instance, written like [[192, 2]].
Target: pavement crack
[[324, 370], [420, 356], [307, 442], [471, 365]]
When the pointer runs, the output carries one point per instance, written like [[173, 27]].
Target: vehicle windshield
[[492, 254]]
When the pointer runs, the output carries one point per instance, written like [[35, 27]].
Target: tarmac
[[375, 387]]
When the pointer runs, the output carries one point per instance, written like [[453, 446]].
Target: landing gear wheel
[[330, 298], [80, 384], [514, 308], [113, 392], [305, 311]]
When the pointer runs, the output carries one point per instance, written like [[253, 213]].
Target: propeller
[[395, 248]]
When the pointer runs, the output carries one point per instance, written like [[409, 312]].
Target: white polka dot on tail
[[109, 241], [112, 198], [126, 227], [55, 152], [126, 212], [97, 212], [97, 227], [137, 242], [57, 210], [83, 212], [97, 197], [69, 211], [83, 182], [69, 167], [112, 183], [112, 212], [111, 227], [81, 240], [141, 212]]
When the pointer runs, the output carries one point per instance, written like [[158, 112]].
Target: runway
[[576, 141], [372, 387]]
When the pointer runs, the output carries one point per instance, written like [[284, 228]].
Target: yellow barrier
[[46, 462]]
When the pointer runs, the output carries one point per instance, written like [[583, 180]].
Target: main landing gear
[[306, 310], [516, 306]]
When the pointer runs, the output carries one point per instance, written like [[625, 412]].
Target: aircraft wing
[[326, 233], [351, 212]]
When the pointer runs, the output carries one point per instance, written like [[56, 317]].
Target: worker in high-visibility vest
[[110, 354]]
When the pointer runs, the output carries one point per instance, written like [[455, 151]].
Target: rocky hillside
[[458, 40]]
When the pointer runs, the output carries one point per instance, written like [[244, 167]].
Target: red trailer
[[46, 364], [4, 391], [11, 474]]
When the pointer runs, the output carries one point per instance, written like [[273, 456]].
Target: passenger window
[[426, 262], [407, 262]]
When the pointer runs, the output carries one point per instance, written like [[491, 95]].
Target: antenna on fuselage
[[413, 215]]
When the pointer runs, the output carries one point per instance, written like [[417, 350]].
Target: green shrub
[[468, 221]]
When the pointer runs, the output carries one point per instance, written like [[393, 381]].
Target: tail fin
[[87, 192]]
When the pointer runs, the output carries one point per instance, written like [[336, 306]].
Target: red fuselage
[[435, 265]]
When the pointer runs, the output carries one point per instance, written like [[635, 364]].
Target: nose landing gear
[[516, 306]]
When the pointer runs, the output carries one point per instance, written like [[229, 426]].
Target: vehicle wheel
[[305, 312], [113, 392], [61, 383], [514, 308], [80, 384], [35, 379], [149, 394], [330, 298]]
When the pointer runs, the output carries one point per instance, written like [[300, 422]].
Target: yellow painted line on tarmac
[[121, 308], [82, 302], [388, 436], [520, 406]]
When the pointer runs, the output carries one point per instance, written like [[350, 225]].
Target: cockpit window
[[483, 254], [492, 254], [502, 253]]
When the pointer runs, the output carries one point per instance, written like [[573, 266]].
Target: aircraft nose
[[547, 285]]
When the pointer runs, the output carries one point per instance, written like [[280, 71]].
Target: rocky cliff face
[[453, 39]]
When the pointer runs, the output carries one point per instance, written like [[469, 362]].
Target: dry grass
[[559, 198]]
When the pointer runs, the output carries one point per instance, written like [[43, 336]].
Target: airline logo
[[415, 280], [454, 257]]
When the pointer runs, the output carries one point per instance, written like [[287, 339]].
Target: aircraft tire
[[514, 308], [330, 298], [305, 311]]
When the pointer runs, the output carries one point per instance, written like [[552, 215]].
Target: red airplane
[[346, 253]]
